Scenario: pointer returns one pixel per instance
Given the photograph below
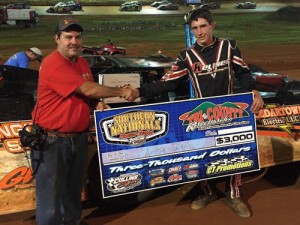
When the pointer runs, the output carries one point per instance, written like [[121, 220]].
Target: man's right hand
[[130, 93]]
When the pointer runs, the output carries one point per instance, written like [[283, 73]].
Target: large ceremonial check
[[152, 146]]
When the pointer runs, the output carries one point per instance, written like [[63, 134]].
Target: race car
[[274, 88], [65, 7], [210, 5], [75, 6], [131, 6], [107, 49], [245, 5], [158, 3], [60, 7], [168, 6]]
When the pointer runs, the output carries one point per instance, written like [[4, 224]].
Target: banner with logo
[[153, 146]]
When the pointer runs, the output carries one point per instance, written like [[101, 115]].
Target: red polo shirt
[[58, 107]]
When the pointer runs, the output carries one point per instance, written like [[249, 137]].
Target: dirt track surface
[[276, 58], [271, 202]]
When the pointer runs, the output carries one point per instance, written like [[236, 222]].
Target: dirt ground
[[274, 58], [283, 59], [278, 58], [272, 200]]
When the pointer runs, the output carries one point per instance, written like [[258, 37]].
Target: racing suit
[[211, 70]]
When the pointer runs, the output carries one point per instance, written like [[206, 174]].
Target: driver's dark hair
[[195, 14]]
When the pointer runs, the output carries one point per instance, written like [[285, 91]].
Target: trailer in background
[[19, 17]]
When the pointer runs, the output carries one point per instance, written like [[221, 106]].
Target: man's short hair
[[195, 14]]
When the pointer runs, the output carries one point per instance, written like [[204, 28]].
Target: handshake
[[129, 92]]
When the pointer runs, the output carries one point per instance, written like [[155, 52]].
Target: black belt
[[59, 134]]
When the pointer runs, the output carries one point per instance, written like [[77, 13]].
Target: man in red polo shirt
[[66, 92]]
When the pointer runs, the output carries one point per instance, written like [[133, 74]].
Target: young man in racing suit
[[210, 65]]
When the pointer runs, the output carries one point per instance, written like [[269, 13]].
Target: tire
[[122, 201], [277, 175]]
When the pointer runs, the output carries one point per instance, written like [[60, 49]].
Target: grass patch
[[161, 32]]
